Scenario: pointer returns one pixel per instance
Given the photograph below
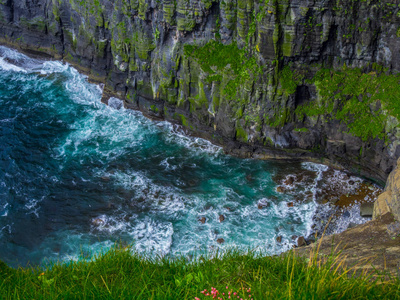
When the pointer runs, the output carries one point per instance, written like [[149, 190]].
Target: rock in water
[[301, 241], [98, 222], [220, 240], [279, 239], [202, 220], [262, 204], [366, 209], [221, 218], [289, 180], [280, 189]]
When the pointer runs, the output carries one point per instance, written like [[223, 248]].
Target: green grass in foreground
[[123, 275]]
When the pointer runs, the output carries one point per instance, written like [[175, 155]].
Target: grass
[[123, 274]]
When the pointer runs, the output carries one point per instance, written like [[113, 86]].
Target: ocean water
[[77, 177]]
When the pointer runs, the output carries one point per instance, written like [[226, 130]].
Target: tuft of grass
[[124, 274]]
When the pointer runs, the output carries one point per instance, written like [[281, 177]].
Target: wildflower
[[226, 287]]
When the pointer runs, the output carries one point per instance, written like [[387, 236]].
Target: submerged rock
[[221, 218], [280, 189], [202, 220], [98, 222], [289, 180], [263, 204], [220, 241]]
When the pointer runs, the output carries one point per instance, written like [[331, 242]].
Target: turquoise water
[[77, 176]]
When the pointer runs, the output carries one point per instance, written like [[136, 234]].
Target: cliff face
[[270, 78], [389, 200]]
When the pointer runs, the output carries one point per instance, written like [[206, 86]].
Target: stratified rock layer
[[389, 200], [307, 79]]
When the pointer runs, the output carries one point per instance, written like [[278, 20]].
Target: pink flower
[[234, 293], [226, 287]]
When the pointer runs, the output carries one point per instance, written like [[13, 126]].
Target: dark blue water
[[77, 176]]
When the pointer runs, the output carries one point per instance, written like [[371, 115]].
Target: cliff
[[273, 78], [389, 200]]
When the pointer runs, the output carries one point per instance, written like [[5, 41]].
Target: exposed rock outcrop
[[270, 79], [371, 247], [389, 200]]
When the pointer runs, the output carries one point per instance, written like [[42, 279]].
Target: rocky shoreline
[[251, 77], [339, 195], [305, 81]]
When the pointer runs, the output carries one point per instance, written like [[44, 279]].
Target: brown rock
[[280, 189], [294, 237], [279, 239], [301, 241], [97, 222], [202, 220], [289, 180], [261, 204], [221, 218], [220, 240], [290, 204]]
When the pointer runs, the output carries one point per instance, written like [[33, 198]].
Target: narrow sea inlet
[[77, 176]]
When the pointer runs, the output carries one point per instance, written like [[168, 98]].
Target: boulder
[[366, 209], [280, 189], [98, 222], [301, 241]]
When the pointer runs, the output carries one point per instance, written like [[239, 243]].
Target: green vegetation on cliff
[[368, 103], [218, 61], [119, 274]]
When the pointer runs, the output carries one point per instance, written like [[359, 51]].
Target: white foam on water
[[115, 103], [4, 210], [152, 236], [5, 66], [196, 144]]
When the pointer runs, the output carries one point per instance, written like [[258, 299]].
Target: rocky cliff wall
[[389, 200], [271, 78]]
